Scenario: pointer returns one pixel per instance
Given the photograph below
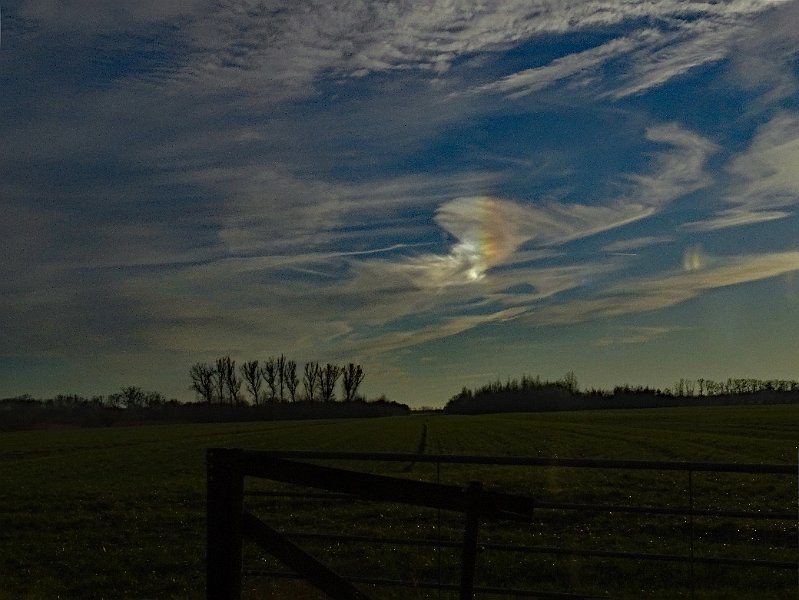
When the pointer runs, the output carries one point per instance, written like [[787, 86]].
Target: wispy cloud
[[283, 49], [689, 36], [630, 245], [677, 172], [497, 253], [650, 294], [735, 218], [276, 211], [673, 54], [579, 65], [490, 230], [391, 342], [764, 56], [494, 262], [635, 335], [766, 181], [768, 168]]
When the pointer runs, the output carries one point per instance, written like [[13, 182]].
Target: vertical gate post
[[469, 559], [224, 508]]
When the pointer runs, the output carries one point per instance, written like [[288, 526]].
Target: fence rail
[[532, 461], [229, 523]]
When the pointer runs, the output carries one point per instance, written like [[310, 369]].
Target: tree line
[[130, 405], [747, 385], [276, 379], [527, 393], [533, 394], [131, 396]]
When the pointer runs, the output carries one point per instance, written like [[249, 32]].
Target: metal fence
[[229, 522]]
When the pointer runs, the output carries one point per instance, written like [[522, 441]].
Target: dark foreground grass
[[120, 513]]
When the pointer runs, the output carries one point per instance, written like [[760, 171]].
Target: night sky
[[444, 192]]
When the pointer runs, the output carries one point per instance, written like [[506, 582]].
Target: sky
[[444, 192]]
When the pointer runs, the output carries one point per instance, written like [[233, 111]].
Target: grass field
[[120, 512]]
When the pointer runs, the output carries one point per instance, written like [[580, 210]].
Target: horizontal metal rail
[[433, 585], [584, 463], [555, 550], [383, 488], [676, 511], [610, 508], [708, 560]]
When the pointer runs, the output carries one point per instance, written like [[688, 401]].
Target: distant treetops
[[274, 380], [533, 394]]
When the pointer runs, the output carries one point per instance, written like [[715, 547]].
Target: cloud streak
[[650, 294], [766, 182], [573, 66]]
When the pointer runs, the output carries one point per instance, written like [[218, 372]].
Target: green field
[[120, 512]]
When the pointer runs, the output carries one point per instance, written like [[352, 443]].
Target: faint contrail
[[381, 250]]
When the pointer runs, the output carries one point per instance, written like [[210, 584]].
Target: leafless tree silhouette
[[310, 380], [280, 370], [202, 381], [291, 379], [269, 373], [352, 377], [329, 376], [252, 375]]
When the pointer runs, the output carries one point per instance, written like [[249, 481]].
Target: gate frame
[[228, 524], [228, 467]]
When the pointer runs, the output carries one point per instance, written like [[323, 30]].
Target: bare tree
[[291, 379], [280, 369], [228, 383], [353, 376], [232, 382], [202, 381], [329, 376], [252, 375], [269, 374], [133, 397], [569, 381], [310, 380], [220, 376], [154, 399]]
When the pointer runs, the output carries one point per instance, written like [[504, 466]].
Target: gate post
[[474, 492], [223, 522]]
